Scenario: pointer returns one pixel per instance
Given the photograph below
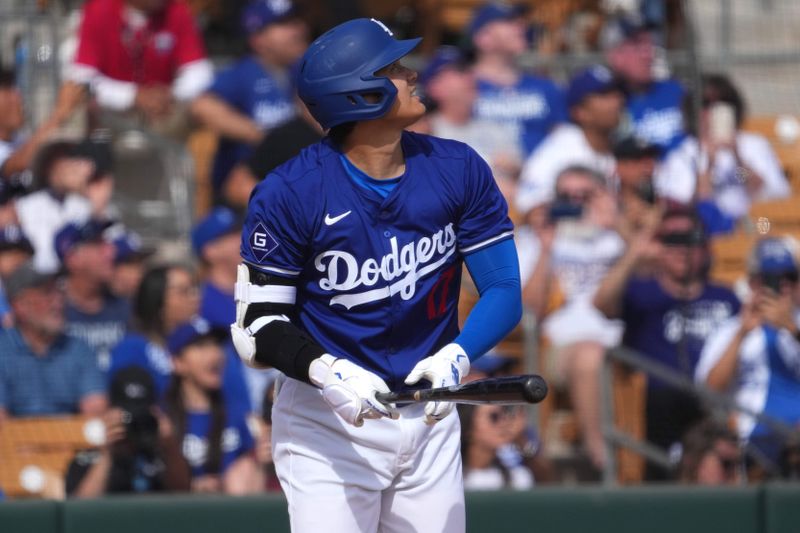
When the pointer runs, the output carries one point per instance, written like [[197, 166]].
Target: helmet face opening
[[337, 75]]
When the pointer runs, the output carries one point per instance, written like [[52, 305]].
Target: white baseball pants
[[388, 476]]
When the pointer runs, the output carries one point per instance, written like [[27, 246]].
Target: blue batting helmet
[[338, 69]]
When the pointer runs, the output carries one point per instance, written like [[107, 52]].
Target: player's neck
[[375, 150]]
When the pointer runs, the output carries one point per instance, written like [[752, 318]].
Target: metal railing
[[615, 438]]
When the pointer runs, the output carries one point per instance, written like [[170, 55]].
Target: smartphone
[[772, 281], [721, 123]]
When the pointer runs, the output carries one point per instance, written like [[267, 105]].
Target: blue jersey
[[656, 115], [236, 439], [264, 96], [138, 350], [377, 278], [533, 105], [670, 330]]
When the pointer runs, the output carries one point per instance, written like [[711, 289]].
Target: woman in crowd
[[217, 442], [168, 295], [720, 166], [487, 434]]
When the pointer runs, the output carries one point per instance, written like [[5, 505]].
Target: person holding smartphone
[[719, 166], [755, 356]]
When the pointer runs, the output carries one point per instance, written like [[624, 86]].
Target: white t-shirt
[[676, 178], [582, 256], [41, 216], [565, 146], [754, 383]]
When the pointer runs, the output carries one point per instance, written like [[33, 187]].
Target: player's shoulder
[[302, 175]]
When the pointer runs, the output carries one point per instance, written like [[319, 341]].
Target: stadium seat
[[777, 217], [37, 451], [729, 257]]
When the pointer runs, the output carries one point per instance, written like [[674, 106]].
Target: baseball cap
[[492, 12], [443, 58], [13, 238], [622, 27], [593, 80], [190, 332], [217, 223], [260, 13], [775, 256], [128, 248], [74, 234], [23, 278], [633, 147]]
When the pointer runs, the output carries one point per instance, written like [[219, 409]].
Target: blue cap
[[74, 234], [13, 238], [261, 13], [190, 332], [128, 247], [444, 57], [593, 80], [620, 28], [491, 12], [773, 256], [219, 222]]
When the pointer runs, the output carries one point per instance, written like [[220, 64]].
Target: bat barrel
[[503, 390]]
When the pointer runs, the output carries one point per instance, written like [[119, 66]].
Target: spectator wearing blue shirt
[[15, 250], [668, 314], [217, 443], [654, 106], [92, 312], [255, 94], [216, 240], [532, 104], [43, 371], [755, 356]]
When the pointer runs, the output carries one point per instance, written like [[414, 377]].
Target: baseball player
[[353, 253]]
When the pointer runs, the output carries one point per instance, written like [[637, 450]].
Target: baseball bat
[[523, 389]]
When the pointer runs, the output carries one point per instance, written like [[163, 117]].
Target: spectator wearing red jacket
[[140, 54]]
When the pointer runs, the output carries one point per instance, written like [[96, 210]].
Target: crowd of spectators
[[616, 183]]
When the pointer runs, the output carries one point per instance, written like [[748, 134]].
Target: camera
[[563, 209], [133, 392]]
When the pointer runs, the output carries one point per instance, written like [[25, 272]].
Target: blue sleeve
[[227, 85], [484, 217], [495, 271], [274, 237], [715, 221]]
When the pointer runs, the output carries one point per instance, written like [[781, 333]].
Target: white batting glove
[[350, 390], [445, 368]]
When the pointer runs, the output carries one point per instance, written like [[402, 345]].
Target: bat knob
[[535, 389]]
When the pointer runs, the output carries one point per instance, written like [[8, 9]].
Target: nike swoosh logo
[[330, 221]]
